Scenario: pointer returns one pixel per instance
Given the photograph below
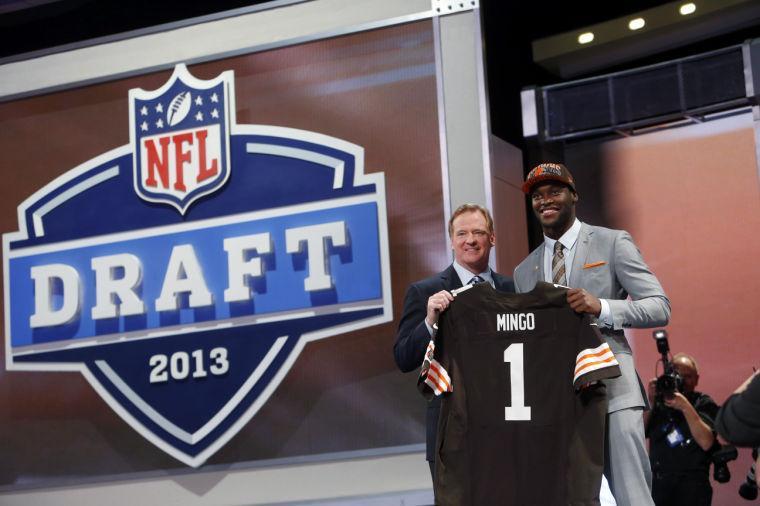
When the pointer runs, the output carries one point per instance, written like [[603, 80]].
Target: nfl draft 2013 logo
[[183, 274]]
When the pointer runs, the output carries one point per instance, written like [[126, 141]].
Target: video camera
[[670, 381]]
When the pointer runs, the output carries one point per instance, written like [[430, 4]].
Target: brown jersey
[[523, 414]]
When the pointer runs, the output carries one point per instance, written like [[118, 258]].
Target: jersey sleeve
[[434, 379], [595, 360]]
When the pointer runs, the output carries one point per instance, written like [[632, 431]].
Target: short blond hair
[[468, 208]]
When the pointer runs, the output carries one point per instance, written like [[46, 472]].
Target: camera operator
[[681, 434]]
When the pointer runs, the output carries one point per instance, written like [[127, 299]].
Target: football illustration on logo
[[178, 108]]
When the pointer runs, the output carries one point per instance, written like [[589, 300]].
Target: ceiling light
[[585, 37], [687, 9], [636, 24]]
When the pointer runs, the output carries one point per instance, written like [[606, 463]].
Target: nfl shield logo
[[179, 136]]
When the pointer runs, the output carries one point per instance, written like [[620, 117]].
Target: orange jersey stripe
[[583, 357], [441, 379], [598, 362]]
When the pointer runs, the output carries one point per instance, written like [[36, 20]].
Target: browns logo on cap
[[548, 172]]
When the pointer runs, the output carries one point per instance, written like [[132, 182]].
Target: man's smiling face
[[471, 241], [554, 206]]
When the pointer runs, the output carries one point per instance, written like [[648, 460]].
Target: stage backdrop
[[363, 105], [690, 197]]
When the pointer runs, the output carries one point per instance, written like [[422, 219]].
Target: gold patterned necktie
[[558, 265]]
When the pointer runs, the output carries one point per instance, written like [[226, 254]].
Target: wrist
[[688, 410]]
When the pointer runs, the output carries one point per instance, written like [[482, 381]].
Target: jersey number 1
[[513, 355]]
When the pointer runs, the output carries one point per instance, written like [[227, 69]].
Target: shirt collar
[[568, 239], [465, 275]]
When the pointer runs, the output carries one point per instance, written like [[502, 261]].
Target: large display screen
[[250, 222]]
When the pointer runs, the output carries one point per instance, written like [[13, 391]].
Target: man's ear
[[575, 197]]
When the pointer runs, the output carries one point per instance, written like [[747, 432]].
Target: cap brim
[[528, 185]]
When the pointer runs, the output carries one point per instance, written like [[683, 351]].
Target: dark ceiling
[[509, 27]]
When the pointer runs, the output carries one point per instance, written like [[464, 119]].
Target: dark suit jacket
[[413, 336], [739, 419]]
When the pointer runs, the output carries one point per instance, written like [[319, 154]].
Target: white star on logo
[[199, 116], [159, 108], [198, 100], [144, 111], [214, 98], [214, 113], [144, 126], [160, 123]]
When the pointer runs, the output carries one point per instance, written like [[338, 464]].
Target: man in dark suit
[[738, 421], [472, 237], [609, 280]]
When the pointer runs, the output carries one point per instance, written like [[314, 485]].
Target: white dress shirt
[[465, 276]]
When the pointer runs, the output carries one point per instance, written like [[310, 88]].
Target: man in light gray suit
[[603, 267]]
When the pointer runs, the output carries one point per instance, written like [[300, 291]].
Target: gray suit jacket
[[609, 265]]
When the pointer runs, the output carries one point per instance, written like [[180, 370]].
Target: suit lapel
[[539, 269], [450, 279], [500, 283], [581, 255], [536, 273]]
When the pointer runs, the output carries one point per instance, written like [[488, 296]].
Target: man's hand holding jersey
[[582, 301], [436, 304]]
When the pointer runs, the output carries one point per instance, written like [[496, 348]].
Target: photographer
[[681, 434]]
